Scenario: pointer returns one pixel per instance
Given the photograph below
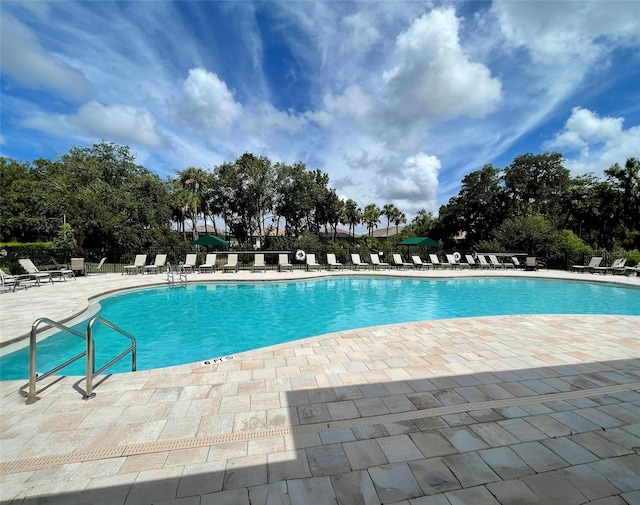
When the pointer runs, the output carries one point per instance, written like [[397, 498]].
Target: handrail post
[[90, 360], [31, 395]]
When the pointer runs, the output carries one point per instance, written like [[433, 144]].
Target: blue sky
[[396, 101]]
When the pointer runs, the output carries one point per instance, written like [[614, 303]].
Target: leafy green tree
[[533, 234], [195, 180], [479, 207], [422, 224], [247, 189], [535, 184], [625, 182]]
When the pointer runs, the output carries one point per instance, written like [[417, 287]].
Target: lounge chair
[[531, 263], [209, 264], [157, 264], [258, 263], [595, 262], [231, 264], [471, 261], [616, 266], [375, 262], [451, 261], [11, 282], [632, 270], [43, 275], [138, 265], [357, 262], [497, 264], [399, 263], [283, 263], [189, 264], [312, 264], [419, 264], [516, 262], [482, 261], [435, 261], [333, 263], [92, 268]]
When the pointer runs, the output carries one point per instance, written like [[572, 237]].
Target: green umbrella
[[420, 241], [210, 240]]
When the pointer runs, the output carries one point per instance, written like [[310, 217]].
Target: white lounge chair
[[482, 261], [531, 263], [283, 263], [516, 262], [138, 265], [451, 261], [157, 264], [312, 264], [616, 266], [593, 263], [333, 263], [11, 282], [419, 264], [42, 275], [400, 263], [209, 264], [231, 264], [258, 263], [632, 270], [357, 262], [189, 264], [435, 261], [497, 264], [92, 268], [471, 261], [375, 262]]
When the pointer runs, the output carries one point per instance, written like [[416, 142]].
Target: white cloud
[[413, 185], [206, 103], [23, 58], [119, 123], [568, 33], [433, 78], [267, 119], [593, 143]]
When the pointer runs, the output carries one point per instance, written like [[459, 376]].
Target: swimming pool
[[177, 325]]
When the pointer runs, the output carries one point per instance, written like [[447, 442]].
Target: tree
[[533, 234], [422, 224], [371, 217], [478, 209], [247, 187], [352, 215], [535, 183], [399, 219], [195, 180], [390, 211], [625, 182]]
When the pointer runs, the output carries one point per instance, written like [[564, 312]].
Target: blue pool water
[[176, 325]]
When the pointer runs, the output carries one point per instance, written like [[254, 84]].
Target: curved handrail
[[90, 352], [33, 375]]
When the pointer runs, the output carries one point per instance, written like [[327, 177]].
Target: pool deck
[[510, 410]]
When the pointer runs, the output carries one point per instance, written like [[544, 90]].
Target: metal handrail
[[33, 375], [182, 273], [91, 361]]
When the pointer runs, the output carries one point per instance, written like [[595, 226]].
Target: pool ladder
[[89, 352], [182, 274]]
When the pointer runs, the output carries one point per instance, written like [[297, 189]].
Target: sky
[[396, 101]]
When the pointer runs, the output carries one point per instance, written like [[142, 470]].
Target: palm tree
[[371, 217], [390, 211], [195, 180], [352, 215], [398, 219]]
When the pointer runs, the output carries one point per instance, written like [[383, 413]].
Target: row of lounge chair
[[619, 266], [210, 263]]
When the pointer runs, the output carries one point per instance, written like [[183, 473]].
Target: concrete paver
[[434, 412]]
